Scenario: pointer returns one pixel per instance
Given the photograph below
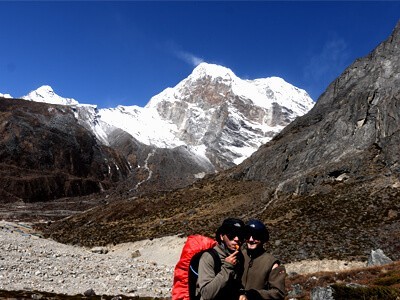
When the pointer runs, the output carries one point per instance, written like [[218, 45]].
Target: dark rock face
[[170, 168], [45, 154], [352, 132]]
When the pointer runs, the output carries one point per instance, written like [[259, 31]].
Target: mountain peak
[[45, 93], [46, 89], [215, 71]]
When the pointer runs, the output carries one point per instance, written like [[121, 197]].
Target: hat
[[230, 225], [257, 229]]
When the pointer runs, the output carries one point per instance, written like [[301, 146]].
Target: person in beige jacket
[[226, 283], [264, 276]]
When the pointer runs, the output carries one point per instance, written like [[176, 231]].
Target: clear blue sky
[[111, 53]]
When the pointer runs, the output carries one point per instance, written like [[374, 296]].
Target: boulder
[[378, 258], [322, 293]]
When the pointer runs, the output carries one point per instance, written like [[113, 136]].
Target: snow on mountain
[[231, 116], [212, 112], [278, 90], [143, 124], [262, 92], [46, 94], [5, 95]]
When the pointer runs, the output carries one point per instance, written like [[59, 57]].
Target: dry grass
[[378, 282]]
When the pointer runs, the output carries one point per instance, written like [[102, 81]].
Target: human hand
[[232, 259]]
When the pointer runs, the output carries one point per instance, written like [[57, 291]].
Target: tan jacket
[[224, 285], [259, 280]]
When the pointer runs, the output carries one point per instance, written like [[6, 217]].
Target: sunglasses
[[231, 235], [254, 235]]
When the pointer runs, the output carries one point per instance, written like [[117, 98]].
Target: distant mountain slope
[[45, 154], [210, 121], [212, 112]]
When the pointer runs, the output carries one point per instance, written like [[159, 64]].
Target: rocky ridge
[[205, 124], [45, 154], [350, 135]]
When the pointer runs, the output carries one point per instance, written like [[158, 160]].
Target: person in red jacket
[[264, 276]]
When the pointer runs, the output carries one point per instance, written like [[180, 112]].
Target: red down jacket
[[194, 244]]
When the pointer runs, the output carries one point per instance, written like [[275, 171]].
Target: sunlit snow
[[46, 94]]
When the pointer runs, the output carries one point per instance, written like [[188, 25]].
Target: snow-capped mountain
[[213, 113], [46, 94], [210, 121]]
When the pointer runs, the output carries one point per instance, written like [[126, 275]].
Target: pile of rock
[[28, 262]]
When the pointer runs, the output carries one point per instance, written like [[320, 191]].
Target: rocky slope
[[31, 263], [45, 154], [352, 133]]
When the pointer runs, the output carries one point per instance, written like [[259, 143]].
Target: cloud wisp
[[189, 58], [326, 65]]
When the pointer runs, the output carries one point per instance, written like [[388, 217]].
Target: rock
[[378, 258], [355, 285], [392, 214], [322, 293], [89, 293], [75, 270], [296, 291], [99, 250], [135, 254]]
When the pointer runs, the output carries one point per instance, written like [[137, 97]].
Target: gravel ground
[[28, 262]]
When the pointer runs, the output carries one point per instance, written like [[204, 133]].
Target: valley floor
[[29, 262]]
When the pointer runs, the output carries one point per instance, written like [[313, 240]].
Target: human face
[[252, 242], [232, 241]]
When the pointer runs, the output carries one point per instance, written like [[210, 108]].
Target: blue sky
[[123, 53]]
